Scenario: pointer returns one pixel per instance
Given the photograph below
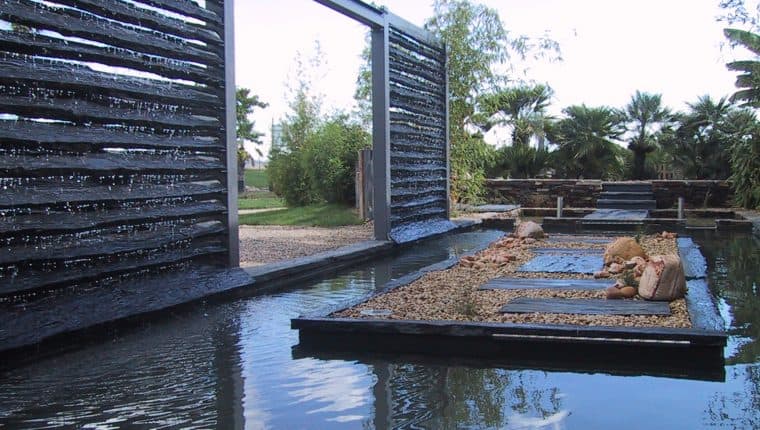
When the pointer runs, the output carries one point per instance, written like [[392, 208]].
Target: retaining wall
[[582, 193]]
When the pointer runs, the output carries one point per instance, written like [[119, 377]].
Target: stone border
[[701, 345], [51, 321]]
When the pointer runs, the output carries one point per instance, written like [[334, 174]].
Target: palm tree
[[749, 81], [646, 117], [523, 108], [586, 139], [701, 143]]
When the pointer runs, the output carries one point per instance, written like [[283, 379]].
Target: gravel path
[[268, 244], [453, 294]]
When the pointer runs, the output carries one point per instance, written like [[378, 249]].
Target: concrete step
[[627, 187], [620, 195], [626, 204]]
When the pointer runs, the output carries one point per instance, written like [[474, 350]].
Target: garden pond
[[232, 364]]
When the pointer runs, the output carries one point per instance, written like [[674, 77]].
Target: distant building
[[277, 142]]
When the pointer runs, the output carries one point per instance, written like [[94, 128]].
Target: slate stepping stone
[[586, 307], [545, 283], [564, 263], [571, 251]]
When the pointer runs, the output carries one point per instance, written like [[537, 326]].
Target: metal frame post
[[233, 241], [448, 133], [381, 130]]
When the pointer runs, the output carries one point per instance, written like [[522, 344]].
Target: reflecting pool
[[232, 365]]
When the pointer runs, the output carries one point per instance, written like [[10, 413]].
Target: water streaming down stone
[[419, 155], [113, 155]]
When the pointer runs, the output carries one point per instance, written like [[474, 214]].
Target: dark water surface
[[230, 365]]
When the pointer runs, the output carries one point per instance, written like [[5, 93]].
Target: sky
[[610, 49]]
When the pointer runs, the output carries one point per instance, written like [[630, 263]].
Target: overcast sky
[[610, 48]]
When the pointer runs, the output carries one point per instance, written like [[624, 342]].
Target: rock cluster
[[659, 277]]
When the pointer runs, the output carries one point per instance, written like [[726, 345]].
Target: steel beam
[[233, 244], [357, 10], [381, 131]]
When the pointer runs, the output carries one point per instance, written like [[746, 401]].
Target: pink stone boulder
[[530, 229], [663, 279]]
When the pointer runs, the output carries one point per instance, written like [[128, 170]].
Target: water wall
[[419, 169], [113, 148]]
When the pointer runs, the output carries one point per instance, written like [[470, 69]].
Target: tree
[[245, 103], [477, 45], [745, 158], [749, 80], [523, 108], [586, 139], [646, 118], [700, 144]]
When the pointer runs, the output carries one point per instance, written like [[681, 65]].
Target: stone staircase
[[627, 196]]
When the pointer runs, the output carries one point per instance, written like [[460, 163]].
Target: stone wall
[[698, 194], [543, 193], [584, 193]]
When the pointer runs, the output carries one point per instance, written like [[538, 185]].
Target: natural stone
[[529, 229], [615, 268], [602, 274], [621, 250], [663, 279]]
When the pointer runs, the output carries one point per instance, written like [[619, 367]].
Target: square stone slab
[[586, 307], [546, 284], [564, 262]]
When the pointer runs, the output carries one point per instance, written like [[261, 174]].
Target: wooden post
[[681, 214], [560, 203]]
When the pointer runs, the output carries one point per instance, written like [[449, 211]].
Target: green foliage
[[749, 79], [245, 103], [477, 45], [288, 178], [523, 108], [330, 156], [646, 118], [318, 215], [586, 139], [745, 163], [700, 144], [521, 161]]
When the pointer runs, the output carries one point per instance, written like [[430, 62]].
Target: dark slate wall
[[112, 140], [584, 193], [418, 121]]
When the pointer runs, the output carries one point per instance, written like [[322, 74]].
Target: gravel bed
[[268, 244], [452, 294]]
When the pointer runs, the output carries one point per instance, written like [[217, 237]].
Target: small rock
[[628, 292], [622, 249], [668, 235], [613, 292], [663, 279], [602, 274], [616, 268], [529, 229]]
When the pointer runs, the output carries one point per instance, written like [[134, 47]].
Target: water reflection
[[231, 366]]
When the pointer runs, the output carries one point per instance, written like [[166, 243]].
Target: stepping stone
[[545, 283], [618, 214], [495, 208], [586, 307], [580, 239], [564, 263], [565, 251]]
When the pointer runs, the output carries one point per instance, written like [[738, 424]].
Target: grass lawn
[[322, 215], [256, 178], [261, 203]]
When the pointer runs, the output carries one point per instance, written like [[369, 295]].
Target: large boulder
[[622, 250], [663, 279], [529, 229]]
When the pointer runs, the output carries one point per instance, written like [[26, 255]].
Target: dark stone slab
[[545, 283], [592, 240], [414, 231], [568, 251], [702, 308], [586, 307], [494, 208], [694, 263], [618, 214], [555, 263]]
